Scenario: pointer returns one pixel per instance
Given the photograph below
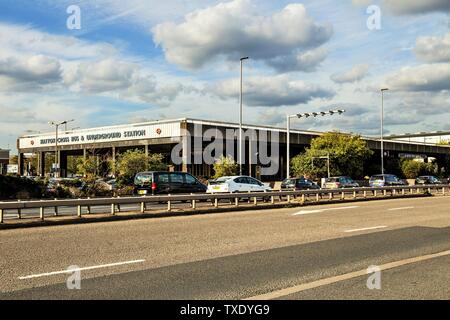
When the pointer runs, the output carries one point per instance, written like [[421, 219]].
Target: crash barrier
[[255, 198]]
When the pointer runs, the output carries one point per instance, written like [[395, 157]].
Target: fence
[[234, 199]]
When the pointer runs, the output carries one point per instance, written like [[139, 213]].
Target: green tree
[[134, 161], [225, 166], [411, 169], [347, 155], [89, 167]]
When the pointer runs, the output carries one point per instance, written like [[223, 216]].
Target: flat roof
[[391, 138]]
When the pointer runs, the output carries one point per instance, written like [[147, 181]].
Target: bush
[[225, 166], [12, 187], [411, 169], [132, 162]]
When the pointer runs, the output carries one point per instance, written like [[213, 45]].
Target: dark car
[[161, 182], [386, 180], [340, 182], [299, 183], [428, 180]]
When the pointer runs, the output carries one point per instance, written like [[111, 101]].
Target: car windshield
[[377, 178], [143, 179]]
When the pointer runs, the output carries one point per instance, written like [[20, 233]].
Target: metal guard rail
[[214, 197]]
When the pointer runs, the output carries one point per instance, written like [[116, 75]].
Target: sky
[[141, 60]]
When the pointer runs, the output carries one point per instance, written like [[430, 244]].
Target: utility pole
[[240, 118]]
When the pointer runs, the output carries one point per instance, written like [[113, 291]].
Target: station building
[[189, 138]]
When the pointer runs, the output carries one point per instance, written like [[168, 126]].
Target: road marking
[[365, 229], [398, 209], [81, 269], [343, 277], [322, 210]]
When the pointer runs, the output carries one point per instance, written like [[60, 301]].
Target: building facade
[[192, 145]]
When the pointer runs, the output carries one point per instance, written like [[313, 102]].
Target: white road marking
[[365, 229], [398, 209], [322, 210], [343, 277], [81, 269]]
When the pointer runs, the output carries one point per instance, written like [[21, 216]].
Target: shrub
[[225, 166]]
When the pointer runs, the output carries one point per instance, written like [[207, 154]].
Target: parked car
[[340, 182], [428, 180], [386, 180], [161, 182], [299, 183], [237, 184]]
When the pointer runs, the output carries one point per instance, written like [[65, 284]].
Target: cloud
[[272, 91], [356, 73], [404, 7], [285, 40], [433, 49], [427, 77], [33, 72], [25, 40], [121, 78]]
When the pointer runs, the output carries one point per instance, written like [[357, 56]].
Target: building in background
[[436, 137], [183, 134], [4, 160]]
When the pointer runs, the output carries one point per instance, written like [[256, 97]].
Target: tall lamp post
[[382, 129], [57, 124], [240, 119], [288, 131]]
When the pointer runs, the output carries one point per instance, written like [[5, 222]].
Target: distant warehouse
[[186, 144]]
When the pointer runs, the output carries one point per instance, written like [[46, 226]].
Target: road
[[314, 252]]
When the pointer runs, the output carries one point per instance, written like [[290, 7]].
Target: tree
[[347, 155], [134, 161], [225, 166], [411, 169], [89, 167]]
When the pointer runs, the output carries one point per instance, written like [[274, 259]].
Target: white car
[[237, 184]]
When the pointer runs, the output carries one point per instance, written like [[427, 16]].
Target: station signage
[[102, 135]]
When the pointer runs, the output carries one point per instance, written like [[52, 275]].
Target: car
[[162, 182], [340, 182], [385, 180], [237, 184], [422, 180], [299, 183]]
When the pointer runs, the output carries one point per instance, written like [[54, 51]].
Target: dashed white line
[[365, 229], [80, 269], [403, 208], [322, 210]]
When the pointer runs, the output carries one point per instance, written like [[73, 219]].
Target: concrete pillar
[[41, 164], [113, 153], [20, 162], [63, 164]]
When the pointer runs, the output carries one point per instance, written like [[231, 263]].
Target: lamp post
[[57, 124], [382, 129], [240, 119], [288, 131]]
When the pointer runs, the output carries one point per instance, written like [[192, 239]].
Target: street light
[[382, 129], [303, 115], [240, 120], [57, 124]]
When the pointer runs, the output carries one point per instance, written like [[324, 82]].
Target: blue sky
[[140, 60]]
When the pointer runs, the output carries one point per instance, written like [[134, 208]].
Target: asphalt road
[[313, 252]]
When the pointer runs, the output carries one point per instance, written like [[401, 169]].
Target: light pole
[[57, 124], [288, 131], [382, 129], [240, 120]]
